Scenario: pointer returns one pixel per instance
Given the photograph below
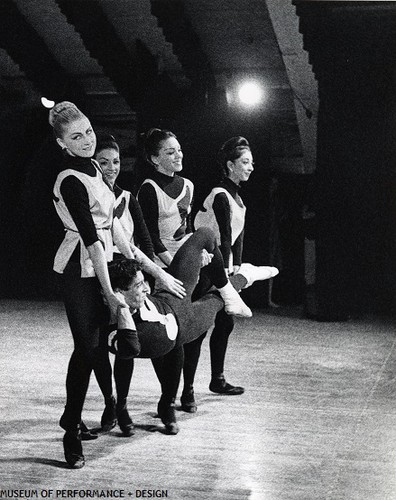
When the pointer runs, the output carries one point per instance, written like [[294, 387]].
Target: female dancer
[[224, 212], [84, 203], [166, 201], [164, 196], [126, 207], [163, 323]]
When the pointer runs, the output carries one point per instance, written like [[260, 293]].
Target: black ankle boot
[[167, 414], [72, 448], [187, 400], [124, 420], [87, 434], [109, 416], [220, 386], [66, 422]]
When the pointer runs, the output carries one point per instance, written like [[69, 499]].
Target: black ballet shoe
[[167, 414], [109, 416], [125, 422], [220, 386], [172, 428], [87, 434], [187, 401], [72, 448]]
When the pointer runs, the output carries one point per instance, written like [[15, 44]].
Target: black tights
[[123, 370], [224, 324], [87, 316], [195, 317], [168, 369]]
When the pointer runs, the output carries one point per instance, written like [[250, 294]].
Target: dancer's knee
[[207, 236]]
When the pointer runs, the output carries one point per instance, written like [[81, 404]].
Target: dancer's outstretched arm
[[163, 279]]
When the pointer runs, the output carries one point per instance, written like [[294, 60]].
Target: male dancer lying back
[[159, 324]]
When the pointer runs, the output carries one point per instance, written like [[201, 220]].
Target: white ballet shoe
[[256, 273], [233, 304]]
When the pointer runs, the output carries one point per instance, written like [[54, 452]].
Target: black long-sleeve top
[[141, 233], [221, 208]]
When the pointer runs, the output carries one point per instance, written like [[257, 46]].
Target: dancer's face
[[79, 138], [136, 292], [170, 157], [109, 160], [241, 168]]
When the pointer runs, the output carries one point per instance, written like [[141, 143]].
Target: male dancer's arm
[[128, 345]]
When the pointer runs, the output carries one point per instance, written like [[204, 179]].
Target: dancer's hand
[[124, 315], [167, 282], [121, 297], [114, 301], [206, 258]]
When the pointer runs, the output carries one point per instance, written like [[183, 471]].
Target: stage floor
[[317, 420]]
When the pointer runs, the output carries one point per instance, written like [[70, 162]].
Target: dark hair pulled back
[[231, 150], [152, 142], [106, 141]]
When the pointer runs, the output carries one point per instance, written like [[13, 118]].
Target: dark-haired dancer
[[224, 212], [165, 197], [166, 200], [126, 206], [129, 213]]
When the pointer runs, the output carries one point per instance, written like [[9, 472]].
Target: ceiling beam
[[129, 68], [27, 49], [179, 31]]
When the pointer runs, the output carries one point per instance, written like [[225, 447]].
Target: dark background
[[352, 190]]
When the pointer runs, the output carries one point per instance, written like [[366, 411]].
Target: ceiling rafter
[[30, 52], [179, 31], [129, 68]]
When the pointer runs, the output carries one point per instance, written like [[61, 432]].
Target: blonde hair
[[61, 115]]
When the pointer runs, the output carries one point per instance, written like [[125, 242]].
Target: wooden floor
[[317, 420]]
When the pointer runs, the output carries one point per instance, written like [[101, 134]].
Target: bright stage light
[[250, 93], [47, 103]]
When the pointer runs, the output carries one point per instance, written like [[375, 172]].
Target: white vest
[[208, 218], [101, 202], [121, 209], [169, 218]]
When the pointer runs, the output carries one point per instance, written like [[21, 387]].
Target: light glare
[[250, 93]]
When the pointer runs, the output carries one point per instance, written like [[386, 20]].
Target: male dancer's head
[[127, 278]]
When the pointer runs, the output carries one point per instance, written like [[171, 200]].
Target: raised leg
[[186, 264]]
